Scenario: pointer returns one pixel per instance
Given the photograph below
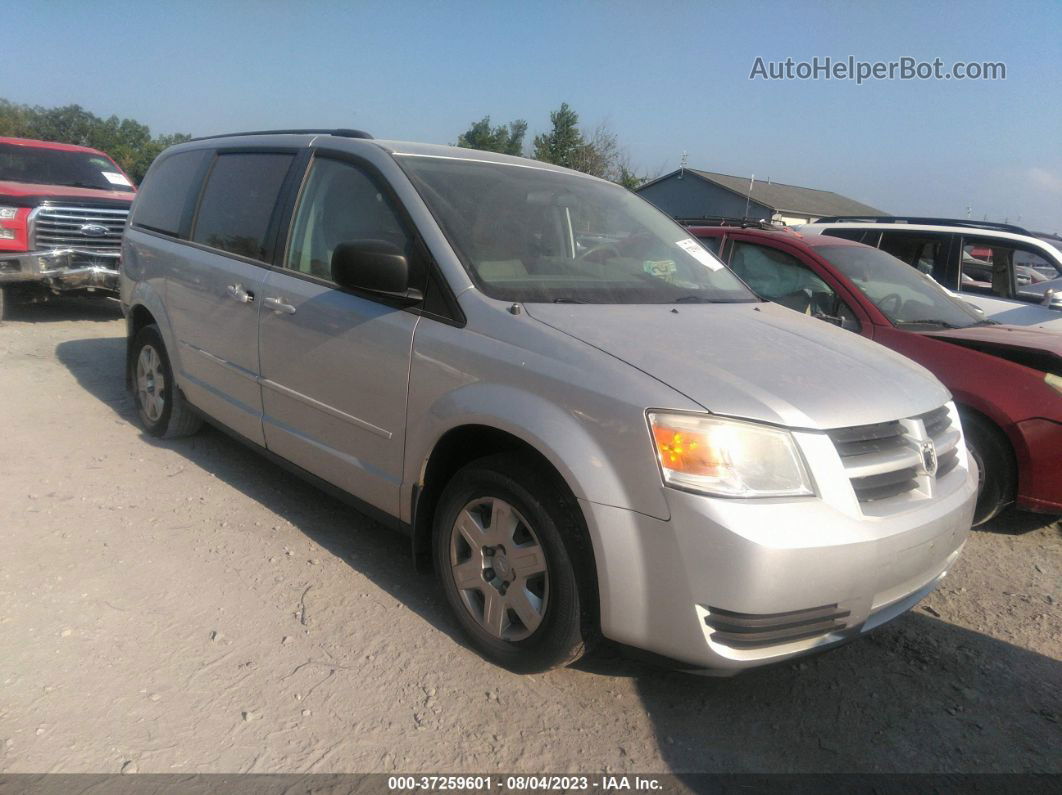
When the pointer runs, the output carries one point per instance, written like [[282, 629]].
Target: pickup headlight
[[728, 458], [8, 213]]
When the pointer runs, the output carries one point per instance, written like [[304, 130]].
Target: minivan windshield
[[905, 295], [531, 234], [71, 169]]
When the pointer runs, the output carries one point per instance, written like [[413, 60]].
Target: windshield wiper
[[700, 299], [568, 301], [927, 322]]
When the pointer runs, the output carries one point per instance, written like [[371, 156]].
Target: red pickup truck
[[62, 211]]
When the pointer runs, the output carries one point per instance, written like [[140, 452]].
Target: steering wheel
[[892, 299], [598, 249]]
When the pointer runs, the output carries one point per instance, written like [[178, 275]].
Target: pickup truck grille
[[885, 459], [97, 230]]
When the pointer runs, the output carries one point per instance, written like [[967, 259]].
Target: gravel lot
[[189, 607]]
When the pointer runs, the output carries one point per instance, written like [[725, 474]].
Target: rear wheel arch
[[139, 317]]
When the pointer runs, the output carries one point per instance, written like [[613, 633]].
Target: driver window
[[340, 204], [987, 268], [1003, 270], [783, 279]]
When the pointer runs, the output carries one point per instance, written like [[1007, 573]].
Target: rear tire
[[161, 407], [507, 554], [998, 475]]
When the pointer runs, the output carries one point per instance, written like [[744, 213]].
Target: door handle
[[238, 293], [278, 305]]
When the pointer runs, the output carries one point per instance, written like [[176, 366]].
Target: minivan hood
[[758, 361]]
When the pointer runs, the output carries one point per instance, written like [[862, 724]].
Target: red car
[[1006, 380], [62, 211]]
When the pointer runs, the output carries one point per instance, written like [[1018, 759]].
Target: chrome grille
[[885, 460], [72, 227]]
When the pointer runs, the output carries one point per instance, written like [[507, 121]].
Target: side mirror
[[1052, 299], [375, 266]]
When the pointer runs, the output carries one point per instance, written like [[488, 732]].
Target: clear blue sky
[[666, 77]]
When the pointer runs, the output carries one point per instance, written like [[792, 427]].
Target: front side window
[[238, 202], [782, 278], [531, 234], [908, 298], [46, 166], [340, 204], [995, 267]]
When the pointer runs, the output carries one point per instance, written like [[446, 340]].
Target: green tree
[[507, 138], [563, 145], [128, 142], [598, 154]]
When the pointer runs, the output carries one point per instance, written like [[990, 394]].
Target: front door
[[214, 293], [334, 363]]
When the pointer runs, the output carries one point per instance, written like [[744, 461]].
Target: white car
[[986, 264]]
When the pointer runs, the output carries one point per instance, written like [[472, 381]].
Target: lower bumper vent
[[758, 630]]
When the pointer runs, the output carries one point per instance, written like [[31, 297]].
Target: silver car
[[581, 418]]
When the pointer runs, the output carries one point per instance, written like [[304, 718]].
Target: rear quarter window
[[168, 192], [846, 234]]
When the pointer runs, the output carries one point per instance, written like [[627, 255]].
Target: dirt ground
[[189, 607]]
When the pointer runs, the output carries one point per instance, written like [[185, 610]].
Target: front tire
[[997, 478], [161, 407], [507, 554]]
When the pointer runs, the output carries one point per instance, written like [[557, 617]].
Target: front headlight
[[728, 458], [8, 213]]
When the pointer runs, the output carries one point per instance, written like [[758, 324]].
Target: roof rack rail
[[910, 219], [722, 220], [339, 133]]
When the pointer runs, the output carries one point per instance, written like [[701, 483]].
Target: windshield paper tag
[[117, 179], [699, 253]]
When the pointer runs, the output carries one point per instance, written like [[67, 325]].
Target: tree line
[[133, 147], [565, 144], [129, 143]]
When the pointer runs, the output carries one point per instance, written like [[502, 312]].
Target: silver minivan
[[586, 423]]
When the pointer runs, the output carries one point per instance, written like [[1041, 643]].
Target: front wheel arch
[[995, 456], [459, 447]]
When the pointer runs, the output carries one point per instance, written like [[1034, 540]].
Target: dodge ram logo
[[929, 457], [94, 230]]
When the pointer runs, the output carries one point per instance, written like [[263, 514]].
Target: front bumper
[[727, 585], [61, 269]]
